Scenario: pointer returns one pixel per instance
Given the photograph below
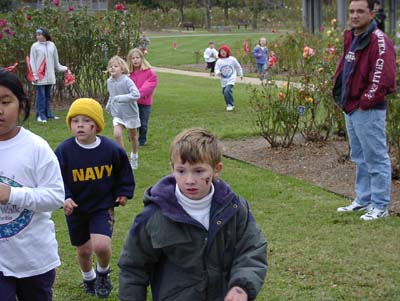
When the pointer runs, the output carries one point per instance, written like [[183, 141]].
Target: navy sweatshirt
[[94, 178]]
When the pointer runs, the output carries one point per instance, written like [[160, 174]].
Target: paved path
[[246, 80]]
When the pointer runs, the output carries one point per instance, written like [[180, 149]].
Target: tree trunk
[[111, 4], [181, 16], [255, 14], [207, 14], [226, 12]]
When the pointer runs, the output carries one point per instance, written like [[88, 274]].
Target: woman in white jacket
[[44, 62]]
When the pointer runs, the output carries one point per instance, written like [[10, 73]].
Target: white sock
[[134, 155], [101, 269], [89, 275]]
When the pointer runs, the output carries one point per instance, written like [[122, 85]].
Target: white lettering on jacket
[[378, 65]]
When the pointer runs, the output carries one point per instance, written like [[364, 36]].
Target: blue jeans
[[228, 95], [144, 115], [261, 68], [368, 150], [43, 96]]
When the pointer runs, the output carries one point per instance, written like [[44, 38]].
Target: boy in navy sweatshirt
[[97, 177]]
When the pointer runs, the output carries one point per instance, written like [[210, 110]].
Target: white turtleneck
[[197, 209], [95, 144]]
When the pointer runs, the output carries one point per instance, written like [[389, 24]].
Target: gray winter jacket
[[183, 261]]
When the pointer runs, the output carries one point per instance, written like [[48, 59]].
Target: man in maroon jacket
[[364, 76]]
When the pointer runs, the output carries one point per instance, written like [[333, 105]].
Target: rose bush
[[85, 42]]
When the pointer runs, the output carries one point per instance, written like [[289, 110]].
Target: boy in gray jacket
[[195, 238]]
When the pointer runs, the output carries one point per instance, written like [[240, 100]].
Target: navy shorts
[[80, 226], [34, 288]]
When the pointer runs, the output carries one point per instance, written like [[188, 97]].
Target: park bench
[[244, 23], [187, 25]]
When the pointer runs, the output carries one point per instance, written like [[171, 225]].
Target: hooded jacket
[[181, 260], [146, 81], [373, 74], [260, 54]]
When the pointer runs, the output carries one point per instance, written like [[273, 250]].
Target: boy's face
[[211, 45], [84, 129], [194, 180]]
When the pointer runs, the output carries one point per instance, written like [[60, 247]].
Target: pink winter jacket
[[146, 81]]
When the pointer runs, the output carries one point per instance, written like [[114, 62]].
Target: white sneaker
[[229, 108], [134, 161], [38, 119], [374, 213], [354, 206]]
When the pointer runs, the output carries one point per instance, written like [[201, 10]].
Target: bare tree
[[207, 14], [111, 4], [226, 12], [255, 15], [181, 15]]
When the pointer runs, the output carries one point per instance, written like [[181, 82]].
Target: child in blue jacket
[[260, 53]]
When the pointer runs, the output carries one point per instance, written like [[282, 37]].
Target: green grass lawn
[[314, 252], [162, 53]]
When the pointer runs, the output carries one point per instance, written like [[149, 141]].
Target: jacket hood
[[226, 49], [162, 195]]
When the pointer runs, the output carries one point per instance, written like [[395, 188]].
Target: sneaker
[[103, 284], [134, 161], [354, 206], [375, 213], [38, 119], [89, 286], [54, 117], [229, 108]]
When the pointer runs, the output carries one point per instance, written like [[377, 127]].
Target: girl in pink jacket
[[145, 80]]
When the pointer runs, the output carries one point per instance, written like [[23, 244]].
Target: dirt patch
[[323, 164]]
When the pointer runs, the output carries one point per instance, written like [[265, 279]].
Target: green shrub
[[277, 114], [306, 108], [85, 42]]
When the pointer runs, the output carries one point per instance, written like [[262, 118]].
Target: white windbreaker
[[48, 51], [28, 245]]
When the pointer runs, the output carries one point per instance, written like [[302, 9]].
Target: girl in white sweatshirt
[[31, 187]]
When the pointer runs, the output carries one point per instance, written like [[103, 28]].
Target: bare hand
[[69, 206], [5, 192], [236, 294], [122, 200]]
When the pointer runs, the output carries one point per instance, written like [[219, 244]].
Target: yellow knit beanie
[[88, 107]]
